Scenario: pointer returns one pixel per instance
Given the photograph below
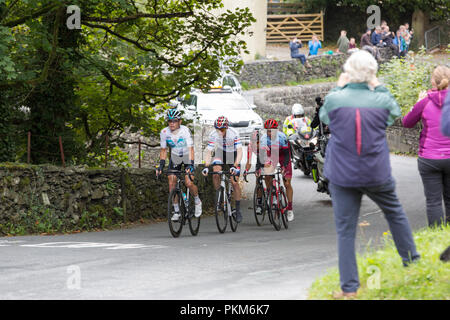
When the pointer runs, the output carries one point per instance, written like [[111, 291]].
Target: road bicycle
[[260, 192], [224, 210], [180, 195], [274, 200]]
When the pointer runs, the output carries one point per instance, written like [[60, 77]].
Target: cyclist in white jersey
[[178, 139], [227, 147]]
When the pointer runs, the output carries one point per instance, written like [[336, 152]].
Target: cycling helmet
[[297, 110], [173, 114], [271, 124], [221, 123]]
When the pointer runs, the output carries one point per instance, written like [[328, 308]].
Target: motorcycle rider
[[322, 185], [316, 120], [297, 113]]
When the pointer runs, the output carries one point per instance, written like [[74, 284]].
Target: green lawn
[[382, 275]]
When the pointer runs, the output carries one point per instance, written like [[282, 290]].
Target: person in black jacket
[[316, 121], [388, 38]]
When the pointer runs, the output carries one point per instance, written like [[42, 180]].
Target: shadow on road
[[326, 203]]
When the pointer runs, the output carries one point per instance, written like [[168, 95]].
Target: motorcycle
[[303, 144]]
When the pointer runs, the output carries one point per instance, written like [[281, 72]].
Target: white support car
[[223, 102]]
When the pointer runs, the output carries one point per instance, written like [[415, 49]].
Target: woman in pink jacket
[[434, 150]]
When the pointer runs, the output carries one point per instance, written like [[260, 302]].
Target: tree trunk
[[420, 23]]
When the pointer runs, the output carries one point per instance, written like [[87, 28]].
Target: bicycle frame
[[185, 195], [276, 183], [228, 192]]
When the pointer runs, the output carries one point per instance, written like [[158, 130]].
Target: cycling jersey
[[267, 145], [280, 141], [230, 143], [179, 141]]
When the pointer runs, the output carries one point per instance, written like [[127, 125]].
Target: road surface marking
[[84, 245]]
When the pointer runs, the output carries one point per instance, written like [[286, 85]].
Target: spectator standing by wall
[[314, 46], [407, 35], [399, 41], [434, 148], [357, 162], [343, 42]]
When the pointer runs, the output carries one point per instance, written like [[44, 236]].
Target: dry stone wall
[[280, 72], [120, 194]]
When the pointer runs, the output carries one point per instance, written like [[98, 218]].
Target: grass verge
[[383, 277]]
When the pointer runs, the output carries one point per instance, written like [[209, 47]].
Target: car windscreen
[[221, 101]]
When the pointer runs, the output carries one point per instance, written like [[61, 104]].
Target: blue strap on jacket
[[445, 118]]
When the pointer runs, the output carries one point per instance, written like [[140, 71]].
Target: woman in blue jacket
[[357, 162], [314, 45]]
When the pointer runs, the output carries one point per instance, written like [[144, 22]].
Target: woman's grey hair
[[361, 66]]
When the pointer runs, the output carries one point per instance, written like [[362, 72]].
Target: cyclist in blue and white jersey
[[178, 139]]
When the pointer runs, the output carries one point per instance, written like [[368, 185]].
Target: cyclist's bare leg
[[172, 181], [172, 185], [190, 185], [236, 188], [289, 190], [259, 193], [268, 169]]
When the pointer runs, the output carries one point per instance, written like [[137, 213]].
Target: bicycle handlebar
[[225, 173], [175, 172], [263, 175]]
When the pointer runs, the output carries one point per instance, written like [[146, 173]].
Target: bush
[[37, 220], [407, 77]]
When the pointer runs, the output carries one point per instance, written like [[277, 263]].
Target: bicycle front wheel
[[175, 225], [233, 221], [221, 210], [274, 212], [259, 208], [194, 222]]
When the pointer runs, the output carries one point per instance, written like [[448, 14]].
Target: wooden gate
[[282, 28]]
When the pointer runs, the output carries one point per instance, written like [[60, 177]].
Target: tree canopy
[[117, 72]]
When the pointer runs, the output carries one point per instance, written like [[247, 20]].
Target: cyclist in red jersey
[[273, 140]]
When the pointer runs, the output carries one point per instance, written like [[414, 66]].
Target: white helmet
[[297, 109]]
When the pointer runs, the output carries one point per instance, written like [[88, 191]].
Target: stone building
[[256, 35]]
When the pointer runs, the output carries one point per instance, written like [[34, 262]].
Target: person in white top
[[178, 139], [227, 147]]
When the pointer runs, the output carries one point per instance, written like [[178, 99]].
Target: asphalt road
[[147, 263]]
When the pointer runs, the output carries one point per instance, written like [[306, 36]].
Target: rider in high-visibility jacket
[[297, 112]]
